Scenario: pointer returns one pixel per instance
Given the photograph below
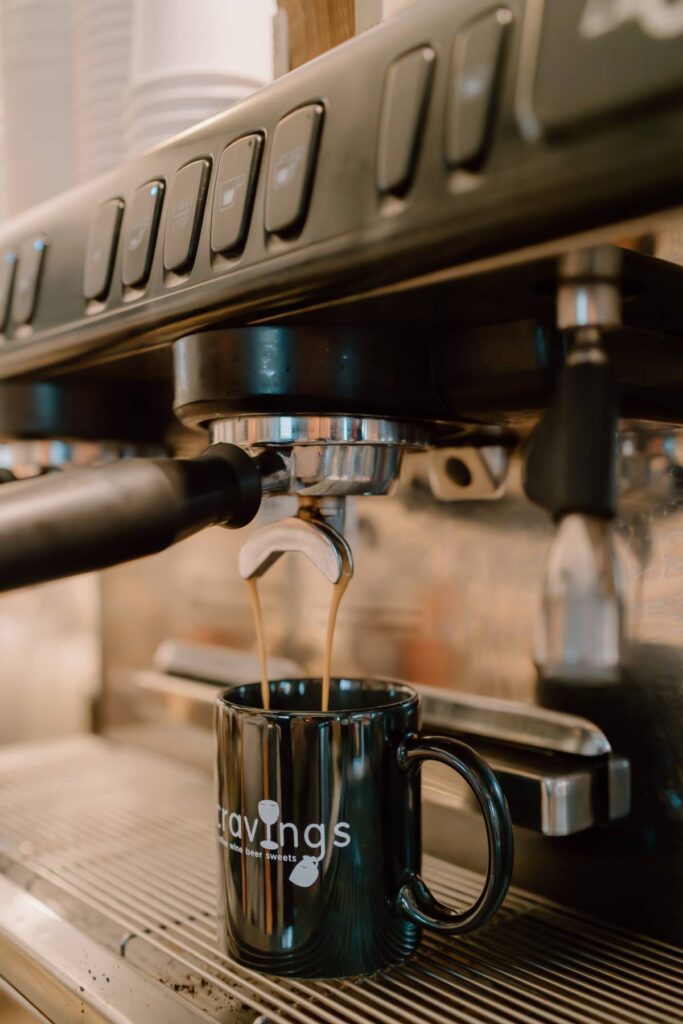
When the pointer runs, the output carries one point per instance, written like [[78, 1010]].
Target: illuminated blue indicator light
[[10, 257], [154, 190], [38, 244]]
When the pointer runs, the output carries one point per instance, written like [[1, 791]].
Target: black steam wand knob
[[81, 520], [570, 469]]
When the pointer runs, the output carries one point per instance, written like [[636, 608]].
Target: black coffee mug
[[319, 828]]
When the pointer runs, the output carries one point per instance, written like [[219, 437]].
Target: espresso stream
[[338, 590]]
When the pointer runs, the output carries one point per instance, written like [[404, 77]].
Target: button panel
[[596, 58], [27, 284], [404, 107], [101, 251], [234, 197], [185, 212], [292, 164], [8, 266], [140, 233], [475, 67]]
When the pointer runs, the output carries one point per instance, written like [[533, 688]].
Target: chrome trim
[[279, 431], [324, 547], [512, 721], [47, 960]]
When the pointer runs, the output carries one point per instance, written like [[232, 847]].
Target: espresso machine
[[438, 266]]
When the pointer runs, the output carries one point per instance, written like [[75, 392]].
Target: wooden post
[[316, 26]]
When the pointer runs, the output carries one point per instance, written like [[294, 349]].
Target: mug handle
[[415, 899]]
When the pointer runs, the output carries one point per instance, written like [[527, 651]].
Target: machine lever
[[81, 520]]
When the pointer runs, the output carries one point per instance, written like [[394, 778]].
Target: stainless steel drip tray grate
[[118, 844]]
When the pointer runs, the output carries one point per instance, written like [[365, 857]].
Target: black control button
[[292, 163], [141, 233], [27, 284], [594, 58], [475, 71], [185, 212], [8, 266], [101, 252], [404, 106], [235, 186]]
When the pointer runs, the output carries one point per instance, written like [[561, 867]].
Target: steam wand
[[570, 469]]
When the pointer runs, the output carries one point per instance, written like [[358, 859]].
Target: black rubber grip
[[79, 520], [570, 460]]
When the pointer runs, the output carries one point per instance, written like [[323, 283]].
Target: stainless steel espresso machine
[[413, 306]]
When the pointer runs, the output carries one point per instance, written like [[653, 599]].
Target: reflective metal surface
[[320, 456], [282, 431], [556, 770], [589, 292], [581, 628], [323, 546], [507, 721], [467, 474], [30, 458], [119, 844]]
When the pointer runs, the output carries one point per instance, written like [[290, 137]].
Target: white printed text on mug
[[244, 836]]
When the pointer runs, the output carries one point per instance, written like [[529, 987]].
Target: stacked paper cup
[[35, 72], [190, 61], [101, 63]]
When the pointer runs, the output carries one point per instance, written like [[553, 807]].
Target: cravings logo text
[[253, 837]]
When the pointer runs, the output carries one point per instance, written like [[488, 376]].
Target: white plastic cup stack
[[35, 79], [190, 61], [101, 66]]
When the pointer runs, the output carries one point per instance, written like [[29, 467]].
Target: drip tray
[[107, 897]]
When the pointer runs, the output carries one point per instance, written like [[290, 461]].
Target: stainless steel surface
[[282, 431], [322, 545], [513, 722], [580, 634], [214, 664], [549, 796], [121, 842], [66, 975], [324, 456], [589, 293], [29, 458], [560, 780], [586, 304], [468, 474], [16, 1009], [597, 263], [503, 721]]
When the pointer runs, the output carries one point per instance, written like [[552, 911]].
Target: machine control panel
[[234, 194], [8, 266], [404, 106], [476, 61], [28, 279], [292, 163], [140, 234], [101, 251], [185, 212], [434, 140]]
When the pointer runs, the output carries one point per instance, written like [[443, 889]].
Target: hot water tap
[[570, 469]]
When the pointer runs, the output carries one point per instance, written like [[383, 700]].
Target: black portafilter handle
[[80, 520], [570, 459]]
